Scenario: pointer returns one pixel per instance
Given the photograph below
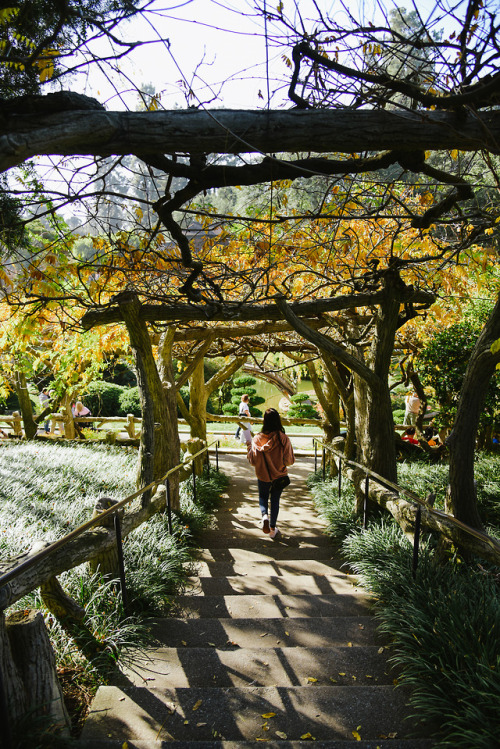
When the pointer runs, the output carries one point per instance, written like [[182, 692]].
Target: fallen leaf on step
[[259, 739], [349, 644], [287, 634], [281, 735], [334, 681], [354, 678], [393, 735], [264, 634], [198, 725], [356, 735], [380, 651], [186, 722], [341, 673], [197, 705], [212, 644], [121, 699], [369, 676], [395, 682], [183, 642], [307, 736], [311, 678], [269, 715], [124, 745]]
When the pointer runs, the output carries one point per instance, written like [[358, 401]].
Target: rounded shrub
[[130, 402], [103, 398], [230, 409]]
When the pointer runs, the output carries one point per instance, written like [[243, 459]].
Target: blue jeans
[[264, 491]]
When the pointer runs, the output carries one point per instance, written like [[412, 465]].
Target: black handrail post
[[324, 463], [217, 456], [208, 463], [340, 477], [194, 483], [365, 503], [315, 456], [121, 565], [416, 541], [169, 508], [5, 732]]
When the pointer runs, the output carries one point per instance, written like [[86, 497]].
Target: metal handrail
[[414, 498], [12, 574]]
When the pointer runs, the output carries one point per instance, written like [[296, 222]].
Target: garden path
[[272, 643]]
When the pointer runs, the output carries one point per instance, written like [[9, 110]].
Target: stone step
[[270, 567], [278, 743], [286, 584], [228, 634], [249, 713], [229, 534], [260, 606], [208, 667], [268, 552]]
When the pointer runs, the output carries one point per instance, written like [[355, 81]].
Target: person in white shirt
[[412, 407], [244, 410]]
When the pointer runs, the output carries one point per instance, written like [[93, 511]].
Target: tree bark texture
[[462, 440], [102, 133], [30, 427], [154, 443], [30, 676], [237, 312], [171, 431]]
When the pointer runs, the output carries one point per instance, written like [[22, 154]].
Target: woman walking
[[270, 452]]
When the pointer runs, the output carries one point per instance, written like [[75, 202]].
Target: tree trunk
[[198, 402], [167, 377], [30, 427], [154, 444], [462, 440]]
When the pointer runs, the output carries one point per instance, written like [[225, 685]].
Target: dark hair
[[410, 430], [272, 422]]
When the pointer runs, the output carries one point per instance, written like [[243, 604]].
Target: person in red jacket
[[270, 452]]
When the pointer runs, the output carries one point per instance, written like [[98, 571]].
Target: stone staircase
[[273, 643]]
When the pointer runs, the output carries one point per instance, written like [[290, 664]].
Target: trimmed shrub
[[230, 409], [130, 402], [103, 398], [300, 409]]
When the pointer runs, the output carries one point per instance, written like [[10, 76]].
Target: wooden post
[[17, 424], [106, 563], [130, 426], [29, 670]]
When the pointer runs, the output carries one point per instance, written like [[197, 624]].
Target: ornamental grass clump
[[47, 490], [444, 625]]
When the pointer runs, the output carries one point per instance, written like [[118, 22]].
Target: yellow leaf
[[307, 736], [349, 644], [356, 735], [124, 745], [281, 735], [311, 678], [454, 154], [197, 704], [341, 673], [269, 715]]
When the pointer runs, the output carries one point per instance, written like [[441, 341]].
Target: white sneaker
[[265, 523], [275, 533]]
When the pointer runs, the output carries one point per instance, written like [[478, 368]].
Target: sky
[[217, 49]]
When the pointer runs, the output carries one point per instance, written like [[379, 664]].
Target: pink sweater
[[279, 455]]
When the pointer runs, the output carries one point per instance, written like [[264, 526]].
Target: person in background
[[244, 410], [412, 407], [44, 399], [270, 452], [409, 436], [80, 410]]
